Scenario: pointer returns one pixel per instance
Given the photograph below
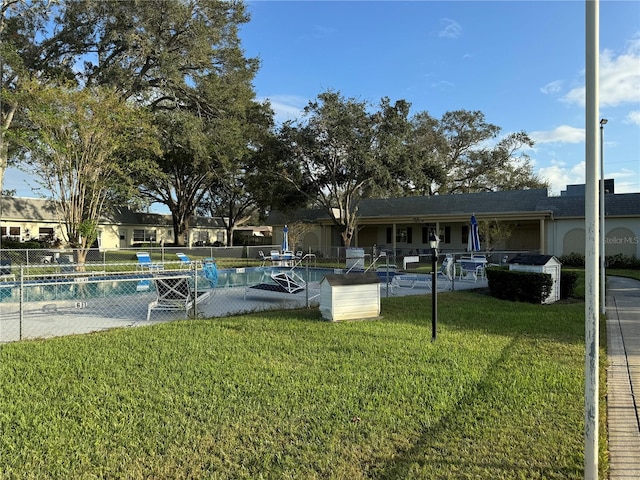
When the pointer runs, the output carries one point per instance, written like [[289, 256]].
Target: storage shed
[[540, 264], [350, 296]]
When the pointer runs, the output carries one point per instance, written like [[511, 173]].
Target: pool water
[[102, 287]]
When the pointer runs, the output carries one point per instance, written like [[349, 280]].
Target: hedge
[[517, 286]]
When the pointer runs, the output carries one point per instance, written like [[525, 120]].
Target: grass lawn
[[499, 395]]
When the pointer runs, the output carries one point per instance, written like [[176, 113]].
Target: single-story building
[[536, 222], [23, 219]]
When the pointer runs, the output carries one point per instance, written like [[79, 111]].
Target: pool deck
[[47, 319]]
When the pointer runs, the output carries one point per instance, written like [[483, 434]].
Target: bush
[[516, 286], [572, 260], [623, 262], [568, 283], [613, 261]]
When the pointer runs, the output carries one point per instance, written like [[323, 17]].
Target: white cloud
[[450, 29], [626, 180], [559, 176], [552, 87], [634, 117], [619, 78], [561, 134], [286, 107]]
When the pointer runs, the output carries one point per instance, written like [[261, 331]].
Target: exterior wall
[[568, 236], [109, 234], [28, 230]]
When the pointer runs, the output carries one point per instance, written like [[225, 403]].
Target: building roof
[[44, 210], [511, 202], [621, 204], [532, 259]]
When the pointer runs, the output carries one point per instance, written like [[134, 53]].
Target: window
[[201, 236], [447, 235], [45, 233], [144, 235], [404, 235], [465, 234], [12, 233]]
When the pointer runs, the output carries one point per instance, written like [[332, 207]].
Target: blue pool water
[[49, 289]]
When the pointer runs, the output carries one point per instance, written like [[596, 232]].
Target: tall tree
[[22, 34], [234, 195], [345, 154], [473, 164], [80, 144], [180, 59]]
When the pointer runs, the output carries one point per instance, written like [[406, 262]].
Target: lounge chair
[[174, 293], [185, 262], [145, 263], [282, 282], [410, 281]]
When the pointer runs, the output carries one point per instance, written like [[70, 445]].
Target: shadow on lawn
[[437, 449]]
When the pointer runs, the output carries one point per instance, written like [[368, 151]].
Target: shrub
[[516, 286], [623, 261], [572, 260], [568, 283]]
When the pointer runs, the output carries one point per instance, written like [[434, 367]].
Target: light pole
[[603, 231], [433, 243]]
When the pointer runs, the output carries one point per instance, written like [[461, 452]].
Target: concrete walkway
[[623, 377]]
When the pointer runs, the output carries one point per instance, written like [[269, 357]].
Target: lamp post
[[603, 122], [433, 243]]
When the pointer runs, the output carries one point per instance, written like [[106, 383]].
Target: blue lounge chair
[[145, 263], [185, 262]]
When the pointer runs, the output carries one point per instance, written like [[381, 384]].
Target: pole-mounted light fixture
[[603, 307], [433, 243]]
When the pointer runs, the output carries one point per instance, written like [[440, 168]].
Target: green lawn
[[281, 395]]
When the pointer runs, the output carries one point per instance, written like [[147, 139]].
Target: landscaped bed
[[500, 394]]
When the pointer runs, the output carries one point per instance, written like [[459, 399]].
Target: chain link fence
[[45, 293]]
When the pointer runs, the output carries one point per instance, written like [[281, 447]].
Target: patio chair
[[5, 270], [185, 262], [66, 264], [145, 263], [446, 273], [471, 269], [263, 257], [175, 294]]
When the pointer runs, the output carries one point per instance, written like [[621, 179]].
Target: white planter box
[[351, 296]]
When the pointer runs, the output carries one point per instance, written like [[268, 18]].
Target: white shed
[[540, 264], [351, 296]]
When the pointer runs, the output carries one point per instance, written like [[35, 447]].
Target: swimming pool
[[127, 284]]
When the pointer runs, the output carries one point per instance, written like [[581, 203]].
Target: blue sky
[[520, 63]]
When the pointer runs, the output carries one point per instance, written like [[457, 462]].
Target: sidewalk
[[623, 377]]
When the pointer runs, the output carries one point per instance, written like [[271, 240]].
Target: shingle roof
[[621, 204], [465, 203], [514, 201], [43, 210]]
